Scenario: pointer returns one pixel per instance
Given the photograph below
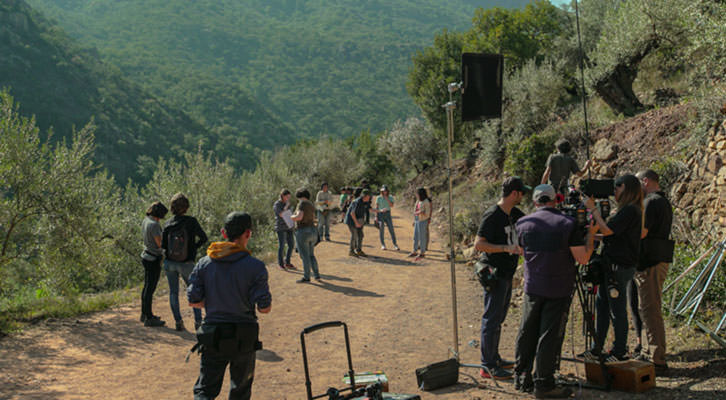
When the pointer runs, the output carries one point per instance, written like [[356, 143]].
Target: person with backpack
[[183, 236], [151, 260]]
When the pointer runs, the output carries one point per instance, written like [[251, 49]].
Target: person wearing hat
[[551, 243], [621, 236], [560, 165], [384, 204], [229, 284], [497, 239]]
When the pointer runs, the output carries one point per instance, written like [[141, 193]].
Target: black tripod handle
[[316, 327], [322, 325]]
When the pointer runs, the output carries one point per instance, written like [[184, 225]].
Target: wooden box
[[628, 376]]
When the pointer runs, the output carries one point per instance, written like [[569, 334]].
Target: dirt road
[[398, 312]]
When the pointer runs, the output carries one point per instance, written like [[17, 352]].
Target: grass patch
[[27, 309]]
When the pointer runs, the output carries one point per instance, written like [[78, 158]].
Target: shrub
[[528, 157]]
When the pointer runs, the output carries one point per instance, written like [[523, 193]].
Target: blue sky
[[559, 2]]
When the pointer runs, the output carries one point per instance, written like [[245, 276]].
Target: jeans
[[174, 270], [496, 305], [152, 270], [615, 309], [306, 238], [385, 219], [420, 235], [285, 237], [356, 238], [211, 375], [324, 224], [541, 332]]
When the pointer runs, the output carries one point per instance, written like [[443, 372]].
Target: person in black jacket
[[182, 237], [621, 239]]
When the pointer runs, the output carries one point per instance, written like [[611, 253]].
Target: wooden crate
[[628, 376]]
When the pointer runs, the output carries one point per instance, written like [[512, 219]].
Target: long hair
[[632, 194], [283, 193], [422, 195]]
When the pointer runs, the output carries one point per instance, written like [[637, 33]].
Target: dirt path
[[398, 312]]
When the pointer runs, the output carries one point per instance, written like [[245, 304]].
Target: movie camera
[[574, 206]]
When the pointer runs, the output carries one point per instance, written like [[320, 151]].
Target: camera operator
[[560, 165], [656, 253], [497, 238], [551, 242], [621, 238]]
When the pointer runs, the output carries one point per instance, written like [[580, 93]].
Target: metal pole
[[705, 288], [450, 107], [582, 88]]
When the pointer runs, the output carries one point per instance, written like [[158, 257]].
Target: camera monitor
[[598, 188], [481, 94]]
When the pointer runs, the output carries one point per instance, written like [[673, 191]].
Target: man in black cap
[[497, 238], [228, 283], [551, 243]]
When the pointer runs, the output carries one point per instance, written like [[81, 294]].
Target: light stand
[[450, 107]]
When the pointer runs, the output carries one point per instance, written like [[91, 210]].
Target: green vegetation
[[323, 67]]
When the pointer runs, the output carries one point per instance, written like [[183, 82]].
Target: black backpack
[[178, 243]]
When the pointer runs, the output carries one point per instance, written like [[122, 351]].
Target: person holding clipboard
[[284, 228]]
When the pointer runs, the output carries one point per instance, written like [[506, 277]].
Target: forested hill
[[65, 86], [323, 66]]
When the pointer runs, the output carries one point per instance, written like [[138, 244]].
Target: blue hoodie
[[231, 282]]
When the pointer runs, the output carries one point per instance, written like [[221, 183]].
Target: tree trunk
[[616, 87]]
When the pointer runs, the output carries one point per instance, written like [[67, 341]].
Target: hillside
[[322, 66], [65, 86]]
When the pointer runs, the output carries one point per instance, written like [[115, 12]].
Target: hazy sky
[[559, 2]]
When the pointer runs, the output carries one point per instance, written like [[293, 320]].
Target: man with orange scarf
[[228, 283]]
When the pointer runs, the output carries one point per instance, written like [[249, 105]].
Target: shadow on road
[[348, 291]]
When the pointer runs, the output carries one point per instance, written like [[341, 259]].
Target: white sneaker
[[396, 248], [383, 248]]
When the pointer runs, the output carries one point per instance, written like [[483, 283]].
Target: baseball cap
[[515, 183], [236, 223], [384, 188], [542, 191]]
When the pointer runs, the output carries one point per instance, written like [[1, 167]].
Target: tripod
[[586, 295]]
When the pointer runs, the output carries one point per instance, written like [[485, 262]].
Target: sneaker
[[317, 278], [496, 373], [282, 267], [506, 364], [352, 253], [288, 265], [327, 239], [179, 325], [383, 248], [413, 254], [637, 350], [590, 355], [303, 280], [395, 247], [557, 392], [524, 383], [615, 358], [197, 325], [153, 322], [361, 253]]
